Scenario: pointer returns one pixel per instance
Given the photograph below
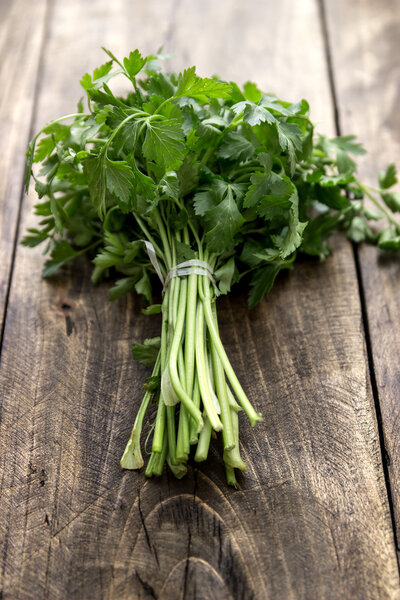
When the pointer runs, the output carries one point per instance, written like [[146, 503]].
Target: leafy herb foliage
[[201, 169]]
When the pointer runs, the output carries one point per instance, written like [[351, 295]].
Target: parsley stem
[[150, 465], [230, 476], [163, 235], [132, 456], [159, 458], [202, 371], [172, 362], [230, 373], [232, 456], [221, 388], [156, 112], [193, 436], [160, 418], [379, 205], [171, 431], [203, 444], [150, 238], [190, 332], [182, 440]]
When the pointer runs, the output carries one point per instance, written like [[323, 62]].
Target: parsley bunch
[[202, 170]]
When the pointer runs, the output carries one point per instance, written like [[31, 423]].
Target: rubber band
[[153, 259], [194, 266], [188, 267]]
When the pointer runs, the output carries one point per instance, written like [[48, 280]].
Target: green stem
[[204, 441], [182, 444], [202, 371], [222, 393], [150, 238], [232, 457], [164, 239], [171, 431], [159, 458], [132, 456], [379, 205], [173, 371], [150, 464], [230, 476], [190, 332], [230, 373], [161, 413], [194, 436]]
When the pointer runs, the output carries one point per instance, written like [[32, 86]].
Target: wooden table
[[317, 515]]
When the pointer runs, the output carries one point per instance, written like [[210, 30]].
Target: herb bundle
[[202, 185]]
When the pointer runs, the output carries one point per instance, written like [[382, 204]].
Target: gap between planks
[[30, 130], [363, 304]]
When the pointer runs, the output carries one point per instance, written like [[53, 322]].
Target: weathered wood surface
[[365, 50], [311, 518], [20, 47]]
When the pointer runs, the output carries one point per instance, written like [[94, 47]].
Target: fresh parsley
[[201, 169]]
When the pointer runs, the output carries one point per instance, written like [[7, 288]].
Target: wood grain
[[365, 45], [311, 518], [20, 46]]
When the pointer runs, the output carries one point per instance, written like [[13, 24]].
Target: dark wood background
[[317, 515]]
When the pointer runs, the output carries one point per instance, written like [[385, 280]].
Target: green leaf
[[253, 114], [222, 223], [202, 89], [392, 201], [164, 143], [147, 352], [60, 217], [143, 287], [251, 92], [344, 163], [61, 254], [388, 240], [188, 176], [36, 238], [347, 144], [41, 189], [289, 135], [224, 276], [134, 63], [388, 178], [272, 206], [292, 236], [120, 182], [236, 147], [358, 230], [29, 162], [184, 252], [44, 148], [204, 200], [169, 184], [266, 185], [372, 215], [122, 286], [153, 309], [331, 196], [100, 76], [94, 169], [262, 282]]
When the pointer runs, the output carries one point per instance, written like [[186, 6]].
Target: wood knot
[[65, 306]]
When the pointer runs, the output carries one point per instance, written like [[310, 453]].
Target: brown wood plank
[[20, 45], [311, 518], [365, 46]]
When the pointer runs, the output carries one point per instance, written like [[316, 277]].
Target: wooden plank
[[20, 45], [365, 45], [310, 519]]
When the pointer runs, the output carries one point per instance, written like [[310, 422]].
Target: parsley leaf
[[164, 143]]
